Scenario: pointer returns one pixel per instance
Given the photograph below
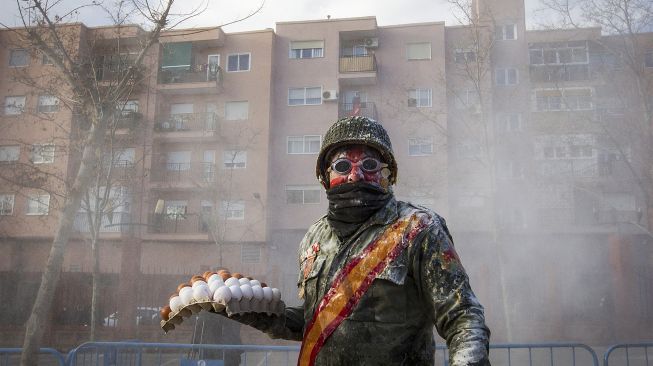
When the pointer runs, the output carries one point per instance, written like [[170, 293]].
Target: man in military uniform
[[376, 274]]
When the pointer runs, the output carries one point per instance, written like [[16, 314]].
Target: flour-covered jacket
[[425, 286]]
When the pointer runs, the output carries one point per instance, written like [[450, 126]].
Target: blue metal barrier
[[150, 354], [543, 353], [11, 356], [637, 353]]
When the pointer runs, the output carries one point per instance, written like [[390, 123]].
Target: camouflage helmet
[[356, 130]]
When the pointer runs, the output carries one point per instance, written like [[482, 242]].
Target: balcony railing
[[128, 119], [118, 222], [366, 63], [197, 74], [199, 122], [184, 172], [366, 109], [177, 223]]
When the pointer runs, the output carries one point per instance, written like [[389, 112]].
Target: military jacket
[[425, 286]]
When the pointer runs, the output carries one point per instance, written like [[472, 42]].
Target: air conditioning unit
[[330, 95], [372, 42]]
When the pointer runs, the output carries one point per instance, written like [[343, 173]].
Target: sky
[[218, 12]]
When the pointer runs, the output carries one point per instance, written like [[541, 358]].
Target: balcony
[[358, 70], [118, 222], [366, 109], [196, 79], [183, 174], [177, 223], [188, 124], [128, 120]]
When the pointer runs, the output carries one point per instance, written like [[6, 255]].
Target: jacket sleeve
[[445, 291], [288, 326]]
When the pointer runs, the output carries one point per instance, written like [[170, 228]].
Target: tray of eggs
[[220, 292]]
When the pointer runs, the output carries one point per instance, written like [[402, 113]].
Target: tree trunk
[[96, 284], [35, 324]]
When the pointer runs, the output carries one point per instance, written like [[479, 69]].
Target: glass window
[[18, 58], [305, 96], [309, 144], [176, 209], [9, 153], [234, 159], [43, 154], [238, 62], [234, 210], [129, 106], [419, 97], [418, 51], [14, 105], [419, 146], [467, 99], [306, 49], [124, 157], [48, 104], [6, 204], [463, 56], [236, 110], [178, 160], [296, 194], [505, 32], [38, 204], [506, 76]]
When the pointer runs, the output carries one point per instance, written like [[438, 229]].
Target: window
[[238, 62], [234, 210], [38, 204], [569, 99], [176, 210], [305, 96], [420, 146], [14, 105], [9, 153], [309, 144], [648, 59], [6, 204], [306, 49], [234, 111], [464, 56], [511, 170], [467, 99], [506, 76], [48, 104], [418, 51], [234, 159], [555, 147], [128, 107], [419, 97], [178, 160], [124, 158], [302, 194], [18, 58], [558, 53], [509, 122], [250, 253], [505, 32], [43, 154]]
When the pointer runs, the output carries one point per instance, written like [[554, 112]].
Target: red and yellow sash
[[352, 282]]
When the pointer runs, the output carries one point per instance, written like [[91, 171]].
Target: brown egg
[[196, 278], [223, 271], [263, 284], [207, 274], [165, 312], [250, 278], [225, 275], [182, 285], [237, 275]]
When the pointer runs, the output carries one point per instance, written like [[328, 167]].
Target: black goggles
[[368, 165]]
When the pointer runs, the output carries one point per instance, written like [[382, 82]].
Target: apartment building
[[515, 136]]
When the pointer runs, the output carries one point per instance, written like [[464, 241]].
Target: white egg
[[244, 281], [214, 285], [276, 294], [267, 294], [254, 283], [186, 295], [215, 277], [258, 292], [176, 304], [236, 293], [199, 283], [247, 291], [222, 295], [201, 292], [231, 281]]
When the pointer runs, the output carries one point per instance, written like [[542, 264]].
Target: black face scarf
[[351, 204]]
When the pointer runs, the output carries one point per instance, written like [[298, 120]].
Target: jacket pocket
[[308, 285], [390, 294]]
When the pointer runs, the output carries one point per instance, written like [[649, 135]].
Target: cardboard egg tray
[[230, 308]]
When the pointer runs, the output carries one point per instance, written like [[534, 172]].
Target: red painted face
[[355, 154]]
